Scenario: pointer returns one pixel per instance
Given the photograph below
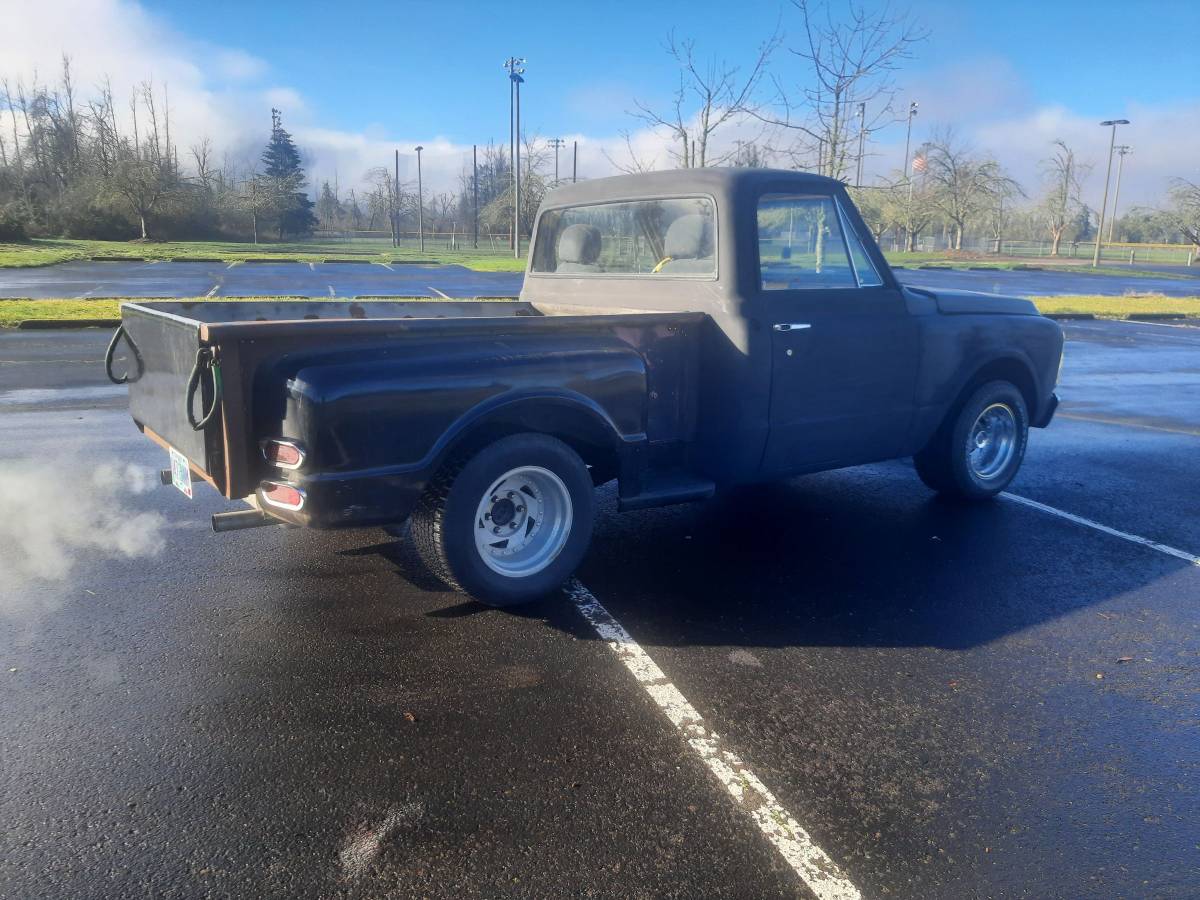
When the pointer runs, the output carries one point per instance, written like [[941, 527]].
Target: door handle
[[791, 326]]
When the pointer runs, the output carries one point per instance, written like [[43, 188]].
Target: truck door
[[843, 344]]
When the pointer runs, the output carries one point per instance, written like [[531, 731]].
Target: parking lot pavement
[[1047, 283], [982, 701], [201, 279], [209, 279]]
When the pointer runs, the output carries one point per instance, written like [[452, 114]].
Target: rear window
[[656, 238]]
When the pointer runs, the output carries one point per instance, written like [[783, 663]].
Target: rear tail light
[[284, 496], [284, 454]]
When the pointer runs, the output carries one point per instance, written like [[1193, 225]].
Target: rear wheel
[[510, 523], [978, 450]]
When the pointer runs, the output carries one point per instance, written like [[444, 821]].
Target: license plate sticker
[[181, 472]]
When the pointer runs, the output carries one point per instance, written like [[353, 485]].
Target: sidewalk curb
[[56, 324]]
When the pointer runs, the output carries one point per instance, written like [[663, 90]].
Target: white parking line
[[331, 291], [213, 292], [809, 861], [1159, 324], [386, 266], [440, 294], [1123, 535]]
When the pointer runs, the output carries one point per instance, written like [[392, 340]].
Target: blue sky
[[587, 60], [358, 80]]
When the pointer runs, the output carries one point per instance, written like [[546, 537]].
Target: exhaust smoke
[[57, 516]]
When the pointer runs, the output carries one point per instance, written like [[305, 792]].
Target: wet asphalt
[[955, 702], [83, 279]]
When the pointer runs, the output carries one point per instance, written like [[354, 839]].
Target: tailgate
[[163, 350]]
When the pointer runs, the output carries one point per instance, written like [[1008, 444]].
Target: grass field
[[14, 312], [44, 252]]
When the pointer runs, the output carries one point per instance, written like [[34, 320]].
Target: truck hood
[[975, 302]]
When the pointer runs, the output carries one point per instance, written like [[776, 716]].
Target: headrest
[[579, 243], [689, 237]]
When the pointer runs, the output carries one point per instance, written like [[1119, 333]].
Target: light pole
[[556, 143], [1122, 149], [420, 203], [912, 111], [862, 134], [514, 65], [1112, 142]]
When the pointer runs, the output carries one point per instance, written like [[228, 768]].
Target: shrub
[[12, 224]]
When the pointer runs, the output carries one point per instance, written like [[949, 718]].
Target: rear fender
[[577, 420]]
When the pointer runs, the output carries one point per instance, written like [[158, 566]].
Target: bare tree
[[143, 184], [847, 61], [202, 155], [711, 93], [1063, 177], [964, 183], [633, 163], [1184, 212], [387, 199]]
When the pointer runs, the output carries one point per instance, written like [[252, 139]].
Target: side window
[[801, 245], [667, 237], [868, 275]]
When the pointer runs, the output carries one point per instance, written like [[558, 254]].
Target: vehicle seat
[[578, 249], [688, 246]]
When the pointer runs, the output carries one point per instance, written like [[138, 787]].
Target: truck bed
[[255, 340]]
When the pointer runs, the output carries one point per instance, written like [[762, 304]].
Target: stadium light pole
[[515, 67], [1122, 149], [1112, 143], [912, 111], [420, 203]]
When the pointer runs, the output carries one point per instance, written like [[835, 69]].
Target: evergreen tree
[[284, 181], [1083, 224], [329, 210]]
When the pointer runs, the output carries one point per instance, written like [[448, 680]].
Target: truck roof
[[720, 182]]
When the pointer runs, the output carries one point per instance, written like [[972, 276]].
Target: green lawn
[[13, 312], [47, 251], [1128, 306]]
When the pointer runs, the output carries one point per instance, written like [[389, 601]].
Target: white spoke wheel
[[978, 450], [508, 524], [523, 521], [992, 441]]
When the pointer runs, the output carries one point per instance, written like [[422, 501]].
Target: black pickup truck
[[677, 331]]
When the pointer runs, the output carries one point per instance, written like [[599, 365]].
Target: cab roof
[[720, 182]]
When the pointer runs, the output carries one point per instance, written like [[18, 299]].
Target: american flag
[[918, 164]]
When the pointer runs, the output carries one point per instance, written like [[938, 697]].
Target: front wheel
[[509, 524], [977, 452]]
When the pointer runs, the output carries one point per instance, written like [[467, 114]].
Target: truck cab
[[814, 355]]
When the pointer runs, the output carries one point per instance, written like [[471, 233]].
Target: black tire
[[945, 465], [444, 522]]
